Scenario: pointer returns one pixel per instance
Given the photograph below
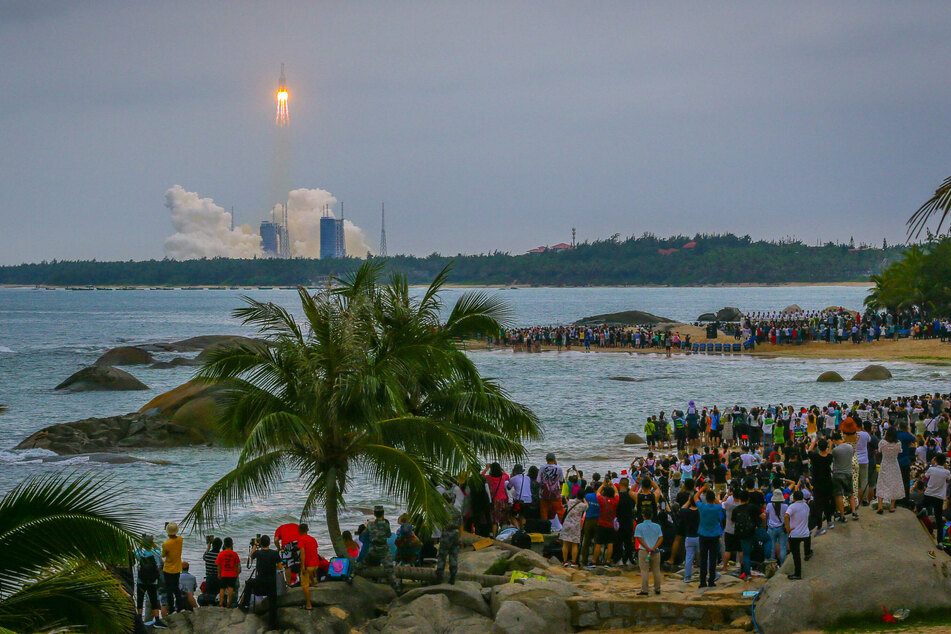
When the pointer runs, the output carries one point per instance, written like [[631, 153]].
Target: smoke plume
[[203, 229]]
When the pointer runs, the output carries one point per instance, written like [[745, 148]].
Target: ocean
[[46, 335]]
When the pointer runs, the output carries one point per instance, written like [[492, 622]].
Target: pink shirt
[[497, 486]]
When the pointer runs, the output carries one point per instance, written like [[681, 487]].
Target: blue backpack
[[339, 569]]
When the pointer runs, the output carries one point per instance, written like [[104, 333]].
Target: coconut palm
[[372, 386], [940, 202], [58, 536]]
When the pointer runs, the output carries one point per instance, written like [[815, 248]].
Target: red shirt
[[309, 545], [286, 533], [608, 510], [229, 562]]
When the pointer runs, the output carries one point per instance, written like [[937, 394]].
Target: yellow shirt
[[172, 554]]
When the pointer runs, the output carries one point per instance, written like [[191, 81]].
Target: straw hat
[[172, 529]]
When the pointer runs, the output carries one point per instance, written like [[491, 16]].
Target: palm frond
[[48, 516], [477, 312], [71, 595], [406, 477], [252, 479], [940, 202]]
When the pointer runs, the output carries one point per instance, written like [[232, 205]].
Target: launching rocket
[[282, 117]]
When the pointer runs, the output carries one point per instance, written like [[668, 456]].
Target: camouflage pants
[[448, 549], [384, 560]]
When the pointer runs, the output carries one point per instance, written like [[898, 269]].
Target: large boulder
[[707, 317], [432, 614], [830, 376], [634, 439], [196, 404], [887, 555], [125, 355], [200, 343], [480, 561], [623, 318], [545, 599], [729, 313], [101, 377], [873, 373], [515, 617], [465, 594], [792, 309], [114, 434]]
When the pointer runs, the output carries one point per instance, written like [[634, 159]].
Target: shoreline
[[920, 351]]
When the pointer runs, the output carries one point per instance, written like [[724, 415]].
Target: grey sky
[[483, 126]]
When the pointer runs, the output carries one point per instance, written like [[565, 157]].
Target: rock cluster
[[728, 313], [114, 433]]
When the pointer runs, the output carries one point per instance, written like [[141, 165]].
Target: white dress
[[890, 486]]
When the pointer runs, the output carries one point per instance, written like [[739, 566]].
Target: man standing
[[937, 491], [285, 543], [796, 520], [906, 456], [378, 554], [229, 567], [842, 456], [267, 562], [309, 562], [820, 463], [449, 540], [550, 479], [650, 538], [172, 568]]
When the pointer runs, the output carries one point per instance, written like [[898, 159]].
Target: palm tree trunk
[[333, 522]]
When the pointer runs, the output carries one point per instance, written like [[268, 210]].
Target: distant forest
[[675, 260]]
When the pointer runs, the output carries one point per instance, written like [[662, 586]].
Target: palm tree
[[370, 386], [940, 202], [58, 536]]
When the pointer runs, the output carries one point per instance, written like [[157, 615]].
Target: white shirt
[[521, 487], [798, 514], [937, 482], [861, 447]]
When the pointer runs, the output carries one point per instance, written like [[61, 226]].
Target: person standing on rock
[[172, 568], [649, 540], [309, 562], [149, 563], [267, 562], [820, 464], [550, 479], [229, 567], [449, 540], [378, 530], [796, 521], [889, 485]]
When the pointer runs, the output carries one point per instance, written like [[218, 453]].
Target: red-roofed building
[[666, 252], [561, 247], [690, 245], [538, 250]]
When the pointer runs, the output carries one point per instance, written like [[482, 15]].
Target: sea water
[[46, 335]]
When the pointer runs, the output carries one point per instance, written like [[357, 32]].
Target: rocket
[[282, 119]]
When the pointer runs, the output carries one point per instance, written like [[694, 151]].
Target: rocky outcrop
[[792, 309], [830, 376], [101, 377], [177, 362], [125, 355], [338, 607], [200, 343], [873, 373], [114, 433], [729, 313], [625, 379], [707, 317], [196, 404], [624, 318], [864, 552], [634, 439]]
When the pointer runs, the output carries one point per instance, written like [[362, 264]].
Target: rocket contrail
[[282, 116]]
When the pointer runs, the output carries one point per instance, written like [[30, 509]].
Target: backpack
[[148, 568], [743, 525], [550, 486], [521, 539], [339, 569]]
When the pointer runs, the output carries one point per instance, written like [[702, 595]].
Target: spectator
[[310, 561], [229, 567], [267, 562], [148, 564], [172, 568], [188, 585]]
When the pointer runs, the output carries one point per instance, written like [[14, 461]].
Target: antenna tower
[[383, 230], [572, 237]]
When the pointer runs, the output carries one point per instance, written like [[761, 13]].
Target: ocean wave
[[6, 350], [30, 456]]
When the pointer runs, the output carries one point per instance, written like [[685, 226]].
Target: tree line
[[646, 259]]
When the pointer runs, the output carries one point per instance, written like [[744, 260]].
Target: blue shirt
[[904, 458], [709, 519], [648, 532], [594, 508]]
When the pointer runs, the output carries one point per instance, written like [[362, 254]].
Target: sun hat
[[778, 493], [172, 529]]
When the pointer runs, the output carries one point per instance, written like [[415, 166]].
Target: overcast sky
[[483, 126]]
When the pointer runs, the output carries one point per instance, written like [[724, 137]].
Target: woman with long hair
[[889, 486]]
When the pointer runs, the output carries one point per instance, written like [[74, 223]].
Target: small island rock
[[873, 373], [101, 378], [125, 355], [634, 439], [830, 376]]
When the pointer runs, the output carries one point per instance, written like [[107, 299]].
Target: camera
[[209, 539]]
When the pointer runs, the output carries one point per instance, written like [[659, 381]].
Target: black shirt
[[689, 522], [625, 507], [821, 467], [720, 474], [266, 561]]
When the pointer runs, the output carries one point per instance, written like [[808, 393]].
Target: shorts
[[841, 484], [229, 582], [605, 535], [863, 476], [715, 433], [694, 433], [651, 439], [731, 542], [549, 508], [308, 576]]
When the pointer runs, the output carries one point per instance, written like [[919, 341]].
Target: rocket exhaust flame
[[282, 119]]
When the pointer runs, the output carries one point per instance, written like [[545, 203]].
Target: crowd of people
[[838, 325], [750, 485], [586, 337]]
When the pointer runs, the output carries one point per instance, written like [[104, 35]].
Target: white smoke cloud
[[304, 209], [203, 229]]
